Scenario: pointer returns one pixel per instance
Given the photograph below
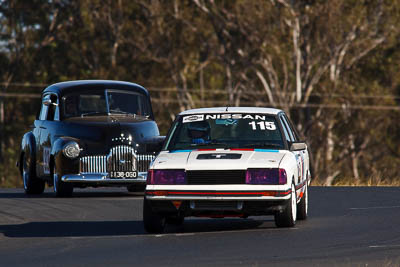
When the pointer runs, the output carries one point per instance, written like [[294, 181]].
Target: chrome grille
[[92, 164], [143, 161], [120, 158]]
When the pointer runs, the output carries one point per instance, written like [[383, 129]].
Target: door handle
[[41, 127]]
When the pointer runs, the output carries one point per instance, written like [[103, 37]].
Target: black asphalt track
[[347, 226]]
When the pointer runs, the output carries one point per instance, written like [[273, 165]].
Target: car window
[[134, 103], [96, 102], [53, 111], [289, 130], [57, 114], [290, 124], [44, 109], [285, 131], [225, 131]]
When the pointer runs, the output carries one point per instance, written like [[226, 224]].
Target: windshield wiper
[[263, 144], [94, 113], [113, 111], [224, 145]]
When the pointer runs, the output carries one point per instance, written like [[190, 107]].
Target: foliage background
[[332, 65]]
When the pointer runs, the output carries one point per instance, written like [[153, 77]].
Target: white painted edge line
[[385, 246], [225, 232], [180, 234], [371, 208]]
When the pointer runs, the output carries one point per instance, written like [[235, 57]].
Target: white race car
[[228, 162]]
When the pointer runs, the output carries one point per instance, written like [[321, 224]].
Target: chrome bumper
[[101, 178]]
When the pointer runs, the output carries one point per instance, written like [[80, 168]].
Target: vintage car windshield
[[225, 131], [103, 102]]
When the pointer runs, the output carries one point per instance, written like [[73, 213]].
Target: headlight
[[71, 150], [266, 176], [166, 177]]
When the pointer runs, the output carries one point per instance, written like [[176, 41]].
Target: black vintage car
[[90, 133]]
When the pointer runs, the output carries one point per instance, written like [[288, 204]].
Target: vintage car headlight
[[273, 176], [71, 150], [166, 177]]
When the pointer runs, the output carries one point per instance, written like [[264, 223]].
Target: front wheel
[[153, 222], [287, 218], [32, 184], [302, 207], [61, 189]]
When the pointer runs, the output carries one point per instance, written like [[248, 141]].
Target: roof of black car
[[64, 87]]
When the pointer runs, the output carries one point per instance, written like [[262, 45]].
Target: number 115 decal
[[263, 125]]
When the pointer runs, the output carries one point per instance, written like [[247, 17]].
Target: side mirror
[[47, 102], [153, 144], [297, 146]]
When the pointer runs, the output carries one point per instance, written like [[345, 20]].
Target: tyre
[[60, 188], [175, 220], [153, 222], [32, 184], [302, 207], [287, 218]]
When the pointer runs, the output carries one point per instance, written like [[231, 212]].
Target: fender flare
[[56, 155], [291, 169], [28, 145]]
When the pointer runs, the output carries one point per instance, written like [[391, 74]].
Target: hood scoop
[[219, 156]]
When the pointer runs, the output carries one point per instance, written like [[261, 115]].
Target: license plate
[[123, 175]]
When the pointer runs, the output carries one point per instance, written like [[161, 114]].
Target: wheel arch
[[288, 163], [51, 166], [62, 164], [28, 145], [57, 147], [51, 163], [19, 162]]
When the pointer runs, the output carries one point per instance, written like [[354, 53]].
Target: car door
[[50, 120], [36, 131], [302, 155], [305, 151], [290, 139]]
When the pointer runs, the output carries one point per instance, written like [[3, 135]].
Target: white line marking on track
[[184, 234], [178, 234], [371, 208], [224, 232], [385, 246]]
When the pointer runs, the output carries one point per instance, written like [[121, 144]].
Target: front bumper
[[217, 200], [218, 208], [232, 192], [101, 178]]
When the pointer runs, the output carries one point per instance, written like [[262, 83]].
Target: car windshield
[[105, 102], [225, 131]]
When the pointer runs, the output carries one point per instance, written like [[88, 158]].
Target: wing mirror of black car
[[296, 146], [48, 102], [153, 144]]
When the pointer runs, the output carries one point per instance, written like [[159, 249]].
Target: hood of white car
[[223, 159]]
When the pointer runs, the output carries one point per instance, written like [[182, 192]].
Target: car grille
[[120, 158], [216, 177]]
